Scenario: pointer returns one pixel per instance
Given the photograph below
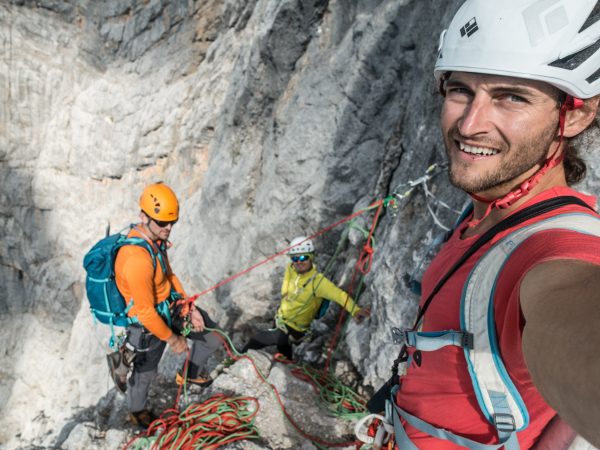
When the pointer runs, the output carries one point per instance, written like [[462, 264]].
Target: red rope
[[285, 250], [366, 257], [186, 304]]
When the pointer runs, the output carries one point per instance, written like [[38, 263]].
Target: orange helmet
[[159, 202]]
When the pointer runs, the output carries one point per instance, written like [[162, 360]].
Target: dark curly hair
[[575, 167]]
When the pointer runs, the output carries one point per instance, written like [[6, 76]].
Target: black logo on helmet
[[469, 28], [156, 204]]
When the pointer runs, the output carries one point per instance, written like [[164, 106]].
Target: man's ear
[[579, 118], [144, 218]]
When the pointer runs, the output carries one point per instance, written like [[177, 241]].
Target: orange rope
[[363, 265]]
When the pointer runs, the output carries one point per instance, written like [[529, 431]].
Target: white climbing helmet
[[300, 245], [555, 41]]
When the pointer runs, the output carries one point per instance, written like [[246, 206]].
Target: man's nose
[[476, 118]]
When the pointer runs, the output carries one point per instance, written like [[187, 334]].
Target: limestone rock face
[[270, 119]]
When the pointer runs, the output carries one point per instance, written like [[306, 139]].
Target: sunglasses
[[163, 223], [299, 258]]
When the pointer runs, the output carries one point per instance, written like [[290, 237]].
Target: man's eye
[[515, 98], [458, 91]]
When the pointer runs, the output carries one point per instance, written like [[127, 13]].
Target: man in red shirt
[[520, 79]]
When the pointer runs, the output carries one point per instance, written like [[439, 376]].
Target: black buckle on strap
[[467, 340], [399, 336]]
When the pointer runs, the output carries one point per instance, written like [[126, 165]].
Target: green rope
[[218, 421], [334, 396]]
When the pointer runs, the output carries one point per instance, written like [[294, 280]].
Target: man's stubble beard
[[531, 153]]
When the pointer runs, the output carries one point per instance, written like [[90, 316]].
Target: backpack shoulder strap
[[154, 254], [498, 398], [497, 395]]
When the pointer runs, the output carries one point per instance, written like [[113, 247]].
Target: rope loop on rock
[[214, 423]]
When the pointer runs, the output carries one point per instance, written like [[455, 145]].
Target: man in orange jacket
[[150, 293]]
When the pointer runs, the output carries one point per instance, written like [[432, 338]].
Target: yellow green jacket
[[302, 295]]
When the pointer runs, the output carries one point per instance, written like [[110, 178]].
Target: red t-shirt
[[440, 390]]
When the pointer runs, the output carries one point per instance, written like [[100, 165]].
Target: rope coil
[[216, 422]]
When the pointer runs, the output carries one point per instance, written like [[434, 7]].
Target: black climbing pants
[[276, 337]]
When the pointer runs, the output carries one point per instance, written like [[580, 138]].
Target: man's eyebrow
[[513, 89], [455, 83], [519, 90]]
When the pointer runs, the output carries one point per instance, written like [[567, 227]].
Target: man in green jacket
[[302, 293]]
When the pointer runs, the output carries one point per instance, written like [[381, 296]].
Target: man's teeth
[[477, 150]]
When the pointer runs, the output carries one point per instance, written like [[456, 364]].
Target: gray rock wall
[[270, 119]]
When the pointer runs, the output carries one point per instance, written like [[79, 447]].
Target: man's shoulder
[[581, 200], [138, 252]]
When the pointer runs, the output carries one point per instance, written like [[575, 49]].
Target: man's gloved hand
[[361, 314], [177, 343]]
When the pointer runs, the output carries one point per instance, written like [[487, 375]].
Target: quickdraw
[[378, 433]]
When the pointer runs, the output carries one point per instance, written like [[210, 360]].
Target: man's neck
[[148, 235]]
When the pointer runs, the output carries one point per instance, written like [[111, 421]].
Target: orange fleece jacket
[[137, 280]]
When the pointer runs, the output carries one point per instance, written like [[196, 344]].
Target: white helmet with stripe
[[301, 244], [555, 41]]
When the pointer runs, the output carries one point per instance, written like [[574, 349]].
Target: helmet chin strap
[[526, 186]]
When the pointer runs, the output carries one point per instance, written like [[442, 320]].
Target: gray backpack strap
[[490, 379]]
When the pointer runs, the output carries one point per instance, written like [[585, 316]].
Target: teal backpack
[[106, 302]]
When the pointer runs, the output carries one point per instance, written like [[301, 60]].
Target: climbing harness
[[498, 399]]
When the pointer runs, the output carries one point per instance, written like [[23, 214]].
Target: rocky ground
[[104, 425]]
